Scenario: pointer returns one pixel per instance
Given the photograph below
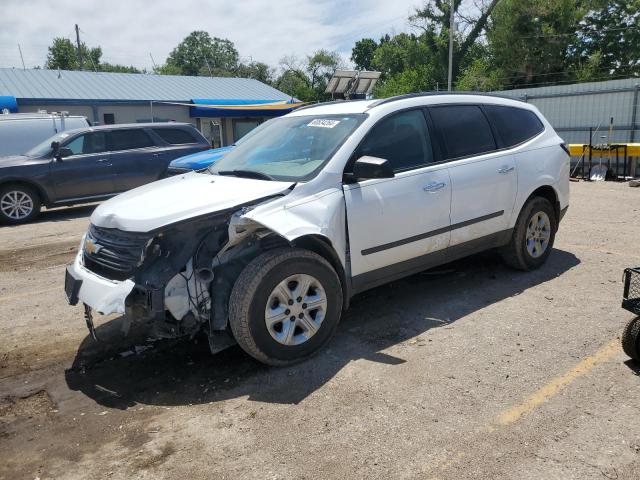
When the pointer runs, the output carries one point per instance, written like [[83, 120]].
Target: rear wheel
[[533, 235], [631, 339], [18, 204], [285, 306]]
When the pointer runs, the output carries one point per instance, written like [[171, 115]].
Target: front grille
[[113, 253]]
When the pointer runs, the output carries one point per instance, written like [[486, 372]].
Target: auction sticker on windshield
[[323, 123]]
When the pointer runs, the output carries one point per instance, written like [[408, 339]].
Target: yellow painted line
[[514, 413], [16, 296]]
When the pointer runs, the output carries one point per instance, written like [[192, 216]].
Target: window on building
[[402, 139], [514, 125], [464, 130], [88, 143], [242, 127], [175, 136], [129, 139], [109, 118]]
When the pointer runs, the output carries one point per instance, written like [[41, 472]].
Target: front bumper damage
[[182, 282]]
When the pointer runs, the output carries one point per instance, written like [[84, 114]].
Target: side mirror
[[372, 167], [63, 152]]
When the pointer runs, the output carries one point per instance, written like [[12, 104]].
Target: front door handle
[[506, 169], [102, 160], [434, 187]]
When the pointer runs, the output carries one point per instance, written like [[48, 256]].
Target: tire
[[28, 200], [254, 296], [631, 339], [517, 253]]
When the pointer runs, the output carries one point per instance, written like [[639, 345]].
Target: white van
[[19, 132]]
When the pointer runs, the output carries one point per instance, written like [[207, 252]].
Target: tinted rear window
[[464, 129], [175, 136], [130, 139], [514, 125]]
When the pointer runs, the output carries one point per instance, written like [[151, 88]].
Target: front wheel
[[285, 306], [18, 204], [533, 235]]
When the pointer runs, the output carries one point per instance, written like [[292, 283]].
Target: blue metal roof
[[103, 86]]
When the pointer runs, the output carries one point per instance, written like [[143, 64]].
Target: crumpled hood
[[180, 198], [199, 160]]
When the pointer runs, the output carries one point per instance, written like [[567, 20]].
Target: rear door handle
[[102, 160], [434, 186], [506, 169]]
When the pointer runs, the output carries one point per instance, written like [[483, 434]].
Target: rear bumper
[[101, 294]]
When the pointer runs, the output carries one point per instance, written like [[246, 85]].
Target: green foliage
[[256, 70], [362, 53], [63, 55], [201, 54], [608, 40]]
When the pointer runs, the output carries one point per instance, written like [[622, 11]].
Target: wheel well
[[324, 248], [548, 192], [41, 193]]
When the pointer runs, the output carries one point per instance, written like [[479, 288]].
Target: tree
[[363, 52], [608, 40], [256, 70], [63, 55], [201, 54]]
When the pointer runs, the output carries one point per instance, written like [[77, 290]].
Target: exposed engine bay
[[182, 274]]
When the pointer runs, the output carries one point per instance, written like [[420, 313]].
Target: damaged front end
[[180, 276]]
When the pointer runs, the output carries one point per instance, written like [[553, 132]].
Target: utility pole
[[153, 61], [78, 46], [452, 26], [21, 57]]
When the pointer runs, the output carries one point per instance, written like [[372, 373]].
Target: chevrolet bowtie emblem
[[91, 247]]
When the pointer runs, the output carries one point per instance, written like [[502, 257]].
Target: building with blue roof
[[222, 108]]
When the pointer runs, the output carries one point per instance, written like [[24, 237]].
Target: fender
[[322, 215]]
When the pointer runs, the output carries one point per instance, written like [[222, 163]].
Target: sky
[[130, 30]]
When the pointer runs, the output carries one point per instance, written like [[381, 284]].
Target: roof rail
[[333, 102], [382, 101]]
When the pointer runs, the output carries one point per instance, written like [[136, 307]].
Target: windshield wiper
[[246, 174]]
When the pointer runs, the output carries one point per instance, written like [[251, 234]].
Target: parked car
[[267, 250], [20, 132], [196, 161], [90, 164], [201, 160]]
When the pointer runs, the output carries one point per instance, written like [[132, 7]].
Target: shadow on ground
[[184, 372]]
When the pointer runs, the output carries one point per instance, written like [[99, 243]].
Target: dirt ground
[[469, 371]]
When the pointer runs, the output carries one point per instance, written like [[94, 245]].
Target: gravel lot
[[469, 371]]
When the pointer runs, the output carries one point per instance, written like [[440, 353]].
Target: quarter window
[[402, 139], [514, 125], [464, 129], [175, 136], [129, 139], [88, 143]]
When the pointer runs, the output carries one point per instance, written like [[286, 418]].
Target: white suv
[[268, 246]]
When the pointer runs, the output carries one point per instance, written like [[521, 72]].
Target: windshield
[[289, 148], [44, 148]]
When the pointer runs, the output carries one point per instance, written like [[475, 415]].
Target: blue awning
[[9, 103], [216, 107]]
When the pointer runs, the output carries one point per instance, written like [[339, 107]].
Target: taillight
[[565, 148]]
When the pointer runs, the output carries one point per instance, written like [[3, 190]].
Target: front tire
[[285, 306], [18, 204], [533, 235], [631, 339]]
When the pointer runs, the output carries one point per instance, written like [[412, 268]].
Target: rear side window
[[128, 139], [175, 136], [464, 130], [402, 139], [514, 125], [88, 143]]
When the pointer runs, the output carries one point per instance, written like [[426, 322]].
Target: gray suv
[[89, 164]]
